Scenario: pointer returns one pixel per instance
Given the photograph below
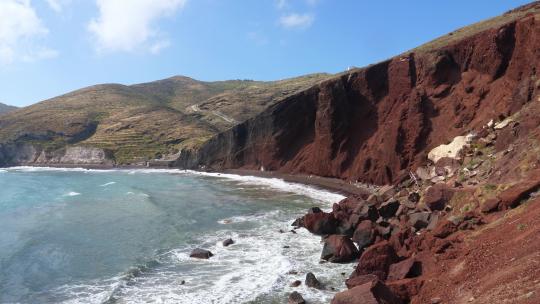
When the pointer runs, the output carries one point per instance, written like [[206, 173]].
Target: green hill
[[144, 121]]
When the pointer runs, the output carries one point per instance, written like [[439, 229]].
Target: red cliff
[[377, 123]]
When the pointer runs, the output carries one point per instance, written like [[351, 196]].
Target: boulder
[[376, 260], [350, 203], [311, 281], [361, 280], [373, 200], [388, 208], [419, 220], [445, 228], [437, 196], [339, 249], [320, 223], [296, 283], [296, 298], [451, 150], [423, 173], [199, 253], [405, 289], [228, 242], [433, 221], [406, 269], [314, 210], [511, 197], [364, 234], [368, 293], [366, 212], [490, 205], [299, 222]]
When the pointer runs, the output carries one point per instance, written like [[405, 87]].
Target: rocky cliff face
[[27, 154], [376, 124]]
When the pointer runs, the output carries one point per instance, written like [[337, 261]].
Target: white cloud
[[57, 5], [129, 25], [20, 30], [297, 21], [282, 4]]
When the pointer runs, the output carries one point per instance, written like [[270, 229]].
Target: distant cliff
[[27, 154], [377, 123]]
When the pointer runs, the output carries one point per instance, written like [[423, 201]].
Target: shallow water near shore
[[124, 236]]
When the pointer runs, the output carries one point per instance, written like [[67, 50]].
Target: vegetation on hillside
[[146, 121]]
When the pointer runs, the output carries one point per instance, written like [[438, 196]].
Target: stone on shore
[[320, 223], [339, 249], [364, 234], [228, 242], [311, 281], [368, 293], [406, 269], [360, 280], [199, 253], [376, 260], [296, 283], [296, 298]]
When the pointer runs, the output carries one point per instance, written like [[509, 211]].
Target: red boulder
[[320, 223], [339, 249], [369, 293], [377, 260]]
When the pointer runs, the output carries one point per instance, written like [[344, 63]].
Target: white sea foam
[[72, 193], [256, 267], [108, 184], [3, 171], [270, 183], [280, 185]]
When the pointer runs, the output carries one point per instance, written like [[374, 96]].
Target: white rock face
[[84, 155], [503, 124], [75, 155], [452, 150]]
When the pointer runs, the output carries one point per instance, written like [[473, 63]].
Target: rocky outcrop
[[28, 154], [378, 123]]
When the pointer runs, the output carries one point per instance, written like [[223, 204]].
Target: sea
[[124, 236]]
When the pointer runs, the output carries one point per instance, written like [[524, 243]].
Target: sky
[[51, 47]]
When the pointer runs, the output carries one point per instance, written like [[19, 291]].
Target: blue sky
[[50, 47]]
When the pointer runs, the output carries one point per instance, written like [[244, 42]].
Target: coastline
[[328, 184], [331, 184]]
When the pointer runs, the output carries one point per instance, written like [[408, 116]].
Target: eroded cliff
[[376, 124]]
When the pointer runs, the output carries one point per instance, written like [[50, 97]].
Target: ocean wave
[[270, 183], [107, 184], [280, 185]]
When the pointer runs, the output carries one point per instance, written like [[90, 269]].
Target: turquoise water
[[87, 236]]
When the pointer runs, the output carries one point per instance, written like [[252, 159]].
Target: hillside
[[4, 108], [143, 121], [376, 124]]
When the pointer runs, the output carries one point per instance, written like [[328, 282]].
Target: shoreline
[[331, 184]]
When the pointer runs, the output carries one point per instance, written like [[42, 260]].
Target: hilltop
[[144, 121], [4, 108]]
